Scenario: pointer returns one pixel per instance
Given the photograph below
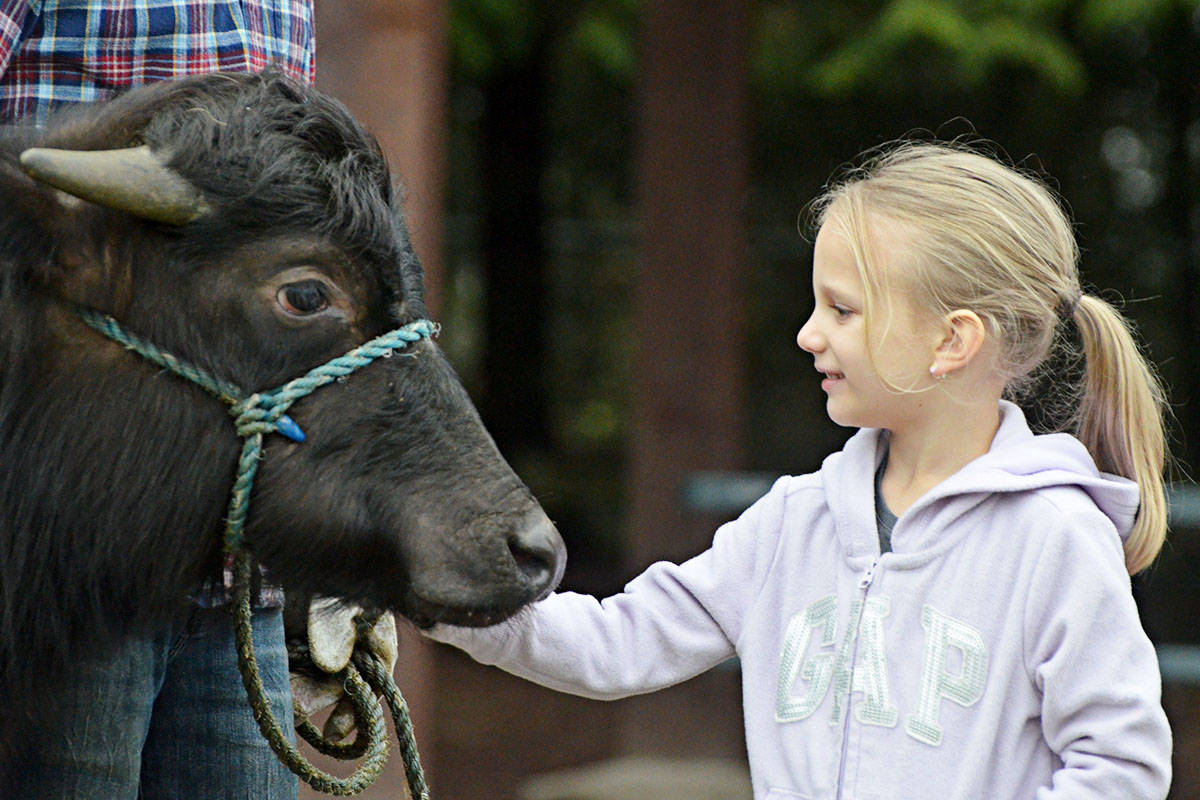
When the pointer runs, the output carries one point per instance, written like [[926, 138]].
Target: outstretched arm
[[670, 623]]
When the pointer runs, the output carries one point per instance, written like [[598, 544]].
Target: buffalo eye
[[303, 297]]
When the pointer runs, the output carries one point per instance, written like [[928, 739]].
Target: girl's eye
[[841, 311], [303, 297]]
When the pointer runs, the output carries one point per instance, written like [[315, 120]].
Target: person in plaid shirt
[[165, 715], [56, 52]]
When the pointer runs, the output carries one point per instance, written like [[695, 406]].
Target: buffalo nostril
[[539, 553]]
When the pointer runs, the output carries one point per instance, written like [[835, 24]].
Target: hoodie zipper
[[864, 583]]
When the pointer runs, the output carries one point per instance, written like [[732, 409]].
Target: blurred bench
[[643, 777]]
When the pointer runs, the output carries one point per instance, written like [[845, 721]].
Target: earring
[[933, 370]]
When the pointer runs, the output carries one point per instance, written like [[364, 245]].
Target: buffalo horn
[[133, 180]]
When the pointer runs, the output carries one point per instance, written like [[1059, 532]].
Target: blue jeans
[[165, 717]]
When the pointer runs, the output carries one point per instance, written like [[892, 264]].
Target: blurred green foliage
[[1103, 95], [973, 40]]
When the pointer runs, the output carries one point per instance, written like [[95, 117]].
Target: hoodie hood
[[1018, 461]]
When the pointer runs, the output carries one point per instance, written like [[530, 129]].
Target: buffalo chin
[[425, 614]]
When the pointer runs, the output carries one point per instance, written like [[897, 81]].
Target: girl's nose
[[808, 339]]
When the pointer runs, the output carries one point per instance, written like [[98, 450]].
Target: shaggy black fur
[[114, 477]]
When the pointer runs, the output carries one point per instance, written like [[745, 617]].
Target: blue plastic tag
[[288, 427]]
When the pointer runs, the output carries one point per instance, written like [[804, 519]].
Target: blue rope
[[265, 412], [254, 416]]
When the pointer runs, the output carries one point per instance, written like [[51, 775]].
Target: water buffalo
[[249, 227]]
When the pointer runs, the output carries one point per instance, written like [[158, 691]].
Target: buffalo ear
[[51, 241], [134, 180], [76, 264]]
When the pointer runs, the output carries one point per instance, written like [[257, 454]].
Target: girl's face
[[841, 343]]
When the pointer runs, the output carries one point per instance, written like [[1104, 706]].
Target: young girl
[[943, 610]]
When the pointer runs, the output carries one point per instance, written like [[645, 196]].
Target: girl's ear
[[964, 335]]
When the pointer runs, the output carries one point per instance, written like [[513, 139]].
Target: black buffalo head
[[249, 226]]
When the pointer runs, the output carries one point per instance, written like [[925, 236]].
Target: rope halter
[[255, 415]]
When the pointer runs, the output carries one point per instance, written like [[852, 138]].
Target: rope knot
[[263, 414]]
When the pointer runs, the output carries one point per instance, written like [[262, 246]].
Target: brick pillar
[[387, 61], [688, 372], [692, 167]]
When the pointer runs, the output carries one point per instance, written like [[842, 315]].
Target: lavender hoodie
[[995, 653]]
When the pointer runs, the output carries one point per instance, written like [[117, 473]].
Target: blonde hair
[[982, 236]]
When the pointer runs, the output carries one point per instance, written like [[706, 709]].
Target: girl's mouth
[[832, 379]]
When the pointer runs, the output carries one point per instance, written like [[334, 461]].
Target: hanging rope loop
[[254, 416]]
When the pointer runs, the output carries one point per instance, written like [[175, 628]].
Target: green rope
[[255, 415]]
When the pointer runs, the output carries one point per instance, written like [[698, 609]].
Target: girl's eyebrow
[[834, 291]]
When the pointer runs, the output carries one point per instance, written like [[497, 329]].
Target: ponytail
[[1121, 422]]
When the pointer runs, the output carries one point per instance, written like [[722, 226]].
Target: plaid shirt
[[54, 52]]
